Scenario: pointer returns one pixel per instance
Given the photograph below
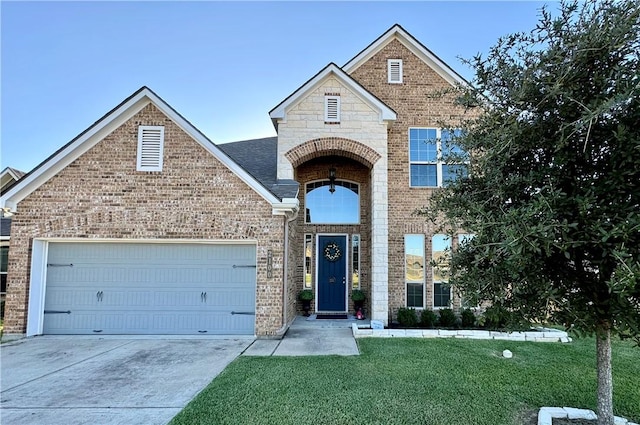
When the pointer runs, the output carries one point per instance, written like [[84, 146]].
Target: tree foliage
[[553, 195]]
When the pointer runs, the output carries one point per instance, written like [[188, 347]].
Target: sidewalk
[[308, 336]]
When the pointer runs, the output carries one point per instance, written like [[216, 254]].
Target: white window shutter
[[332, 108], [394, 67], [150, 148]]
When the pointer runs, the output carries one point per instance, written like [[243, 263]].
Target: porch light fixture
[[332, 179]]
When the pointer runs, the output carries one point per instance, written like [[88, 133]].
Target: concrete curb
[[547, 414], [539, 335]]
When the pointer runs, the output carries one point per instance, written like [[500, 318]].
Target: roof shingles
[[258, 157]]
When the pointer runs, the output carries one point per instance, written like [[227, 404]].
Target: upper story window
[[150, 148], [394, 71], [342, 206], [331, 108], [434, 160]]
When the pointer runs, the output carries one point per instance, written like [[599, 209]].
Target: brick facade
[[305, 122], [196, 197], [101, 195], [416, 105]]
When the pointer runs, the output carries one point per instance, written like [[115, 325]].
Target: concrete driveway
[[107, 380]]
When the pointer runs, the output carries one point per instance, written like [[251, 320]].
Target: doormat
[[331, 316]]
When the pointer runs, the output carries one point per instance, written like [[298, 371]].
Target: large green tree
[[553, 193]]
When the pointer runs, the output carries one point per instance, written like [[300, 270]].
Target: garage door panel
[[123, 322], [234, 298], [64, 297], [150, 288]]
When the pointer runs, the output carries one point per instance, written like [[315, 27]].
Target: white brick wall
[[305, 121]]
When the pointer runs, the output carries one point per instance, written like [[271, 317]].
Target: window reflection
[[441, 249], [355, 261], [308, 249], [414, 270], [340, 207]]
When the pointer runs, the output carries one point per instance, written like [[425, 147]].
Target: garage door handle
[[236, 266], [59, 265], [57, 312], [249, 313]]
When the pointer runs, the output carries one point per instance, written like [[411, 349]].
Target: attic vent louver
[[394, 67], [150, 148], [332, 109]]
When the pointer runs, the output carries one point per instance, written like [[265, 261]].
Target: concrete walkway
[[309, 336]]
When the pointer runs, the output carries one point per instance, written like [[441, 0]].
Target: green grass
[[416, 381]]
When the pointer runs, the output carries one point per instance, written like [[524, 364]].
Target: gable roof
[[279, 112], [16, 174], [9, 176], [259, 157], [396, 32], [109, 122]]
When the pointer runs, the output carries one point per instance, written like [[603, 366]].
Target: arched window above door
[[342, 206]]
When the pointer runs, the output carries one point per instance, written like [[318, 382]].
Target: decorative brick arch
[[332, 146]]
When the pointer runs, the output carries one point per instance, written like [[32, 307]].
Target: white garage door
[[120, 288]]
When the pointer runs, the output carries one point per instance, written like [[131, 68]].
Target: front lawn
[[416, 381]]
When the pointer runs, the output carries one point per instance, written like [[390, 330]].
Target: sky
[[222, 65]]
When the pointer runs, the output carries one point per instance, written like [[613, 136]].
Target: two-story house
[[142, 225]]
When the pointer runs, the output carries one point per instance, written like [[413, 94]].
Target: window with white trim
[[342, 206], [331, 109], [414, 270], [394, 71], [440, 252], [434, 160], [4, 262], [150, 148], [308, 249], [355, 262]]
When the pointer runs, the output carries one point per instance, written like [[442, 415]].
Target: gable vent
[[332, 109], [150, 148], [394, 67]]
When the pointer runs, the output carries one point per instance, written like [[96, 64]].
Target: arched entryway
[[334, 230]]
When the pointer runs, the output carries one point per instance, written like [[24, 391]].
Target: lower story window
[[414, 270], [415, 295], [308, 249], [4, 261], [355, 262], [441, 294], [440, 252]]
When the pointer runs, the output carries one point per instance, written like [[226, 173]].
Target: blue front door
[[332, 273]]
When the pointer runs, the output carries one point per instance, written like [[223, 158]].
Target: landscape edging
[[547, 414], [540, 335]]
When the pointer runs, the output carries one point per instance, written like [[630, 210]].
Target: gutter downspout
[[290, 215], [285, 275]]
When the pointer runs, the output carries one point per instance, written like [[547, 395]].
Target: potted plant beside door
[[306, 295], [358, 297]]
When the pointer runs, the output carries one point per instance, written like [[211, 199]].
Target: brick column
[[380, 241]]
